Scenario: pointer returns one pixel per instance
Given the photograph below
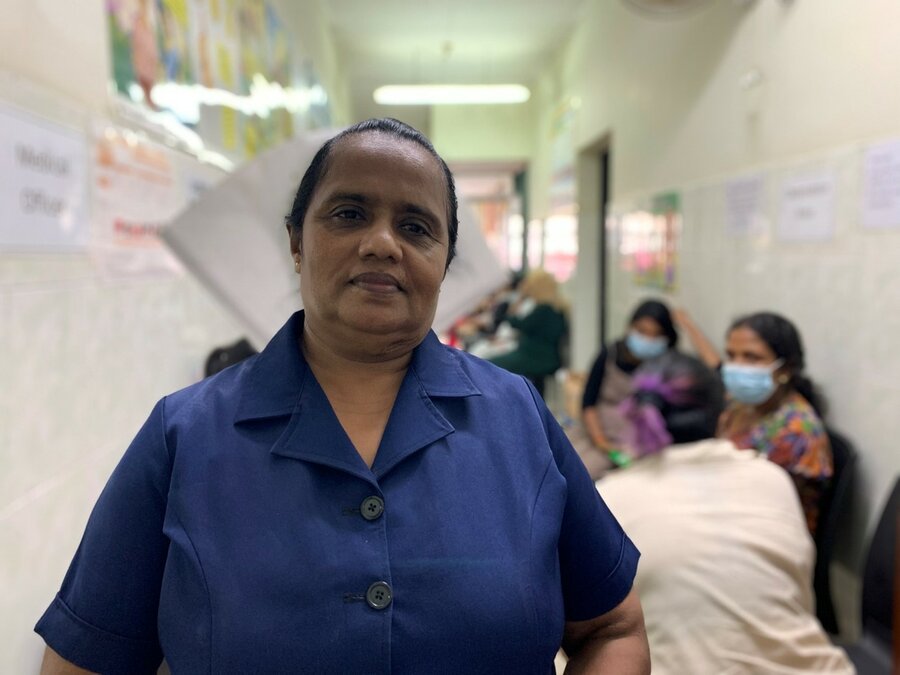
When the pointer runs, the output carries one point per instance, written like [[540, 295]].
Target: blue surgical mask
[[749, 384], [644, 347]]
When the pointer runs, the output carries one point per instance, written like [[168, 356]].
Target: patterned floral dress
[[793, 437]]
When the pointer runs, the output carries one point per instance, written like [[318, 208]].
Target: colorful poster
[[43, 171], [280, 73], [648, 242], [136, 192], [217, 54], [137, 64], [316, 106], [220, 67]]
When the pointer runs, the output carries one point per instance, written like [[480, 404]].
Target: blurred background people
[[539, 319], [477, 329], [221, 358], [651, 333], [725, 576], [773, 406]]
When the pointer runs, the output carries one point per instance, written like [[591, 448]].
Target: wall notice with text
[[43, 196]]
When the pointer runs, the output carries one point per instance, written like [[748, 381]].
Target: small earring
[[297, 264], [783, 379]]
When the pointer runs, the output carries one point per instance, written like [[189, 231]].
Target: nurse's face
[[374, 242]]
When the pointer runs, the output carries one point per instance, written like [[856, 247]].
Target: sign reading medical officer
[[43, 195]]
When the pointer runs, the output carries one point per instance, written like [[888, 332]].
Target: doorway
[[590, 290]]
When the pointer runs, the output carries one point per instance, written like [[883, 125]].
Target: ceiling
[[448, 42]]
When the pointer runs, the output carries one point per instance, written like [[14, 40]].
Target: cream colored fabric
[[726, 563]]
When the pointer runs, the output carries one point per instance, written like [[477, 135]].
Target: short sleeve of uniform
[[104, 617], [598, 561]]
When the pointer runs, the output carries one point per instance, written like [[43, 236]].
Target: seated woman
[[539, 318], [651, 333], [773, 406], [725, 576], [476, 330]]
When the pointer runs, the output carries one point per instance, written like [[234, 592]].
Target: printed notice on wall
[[881, 186], [43, 198], [743, 205], [807, 207], [136, 192]]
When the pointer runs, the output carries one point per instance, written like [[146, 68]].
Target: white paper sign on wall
[[881, 186], [43, 195], [807, 207], [744, 205]]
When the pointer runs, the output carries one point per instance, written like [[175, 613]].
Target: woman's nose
[[380, 240]]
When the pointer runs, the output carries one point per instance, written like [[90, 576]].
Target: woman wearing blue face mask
[[774, 407], [651, 333]]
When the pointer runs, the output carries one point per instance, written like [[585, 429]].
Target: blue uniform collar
[[279, 383]]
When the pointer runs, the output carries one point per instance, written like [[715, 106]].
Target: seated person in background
[[651, 333], [482, 324], [725, 576], [221, 358], [773, 406], [539, 318]]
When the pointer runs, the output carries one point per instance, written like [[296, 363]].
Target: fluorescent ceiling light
[[450, 94]]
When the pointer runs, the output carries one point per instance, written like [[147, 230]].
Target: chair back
[[832, 508], [878, 577]]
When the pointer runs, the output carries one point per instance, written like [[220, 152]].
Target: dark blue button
[[379, 595], [372, 508]]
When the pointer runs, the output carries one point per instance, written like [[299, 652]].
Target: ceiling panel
[[464, 41]]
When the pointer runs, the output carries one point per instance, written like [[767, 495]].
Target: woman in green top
[[539, 318]]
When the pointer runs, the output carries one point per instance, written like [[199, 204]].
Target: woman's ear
[[296, 243], [782, 375]]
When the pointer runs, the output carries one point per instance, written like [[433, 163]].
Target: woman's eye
[[415, 228], [348, 214]]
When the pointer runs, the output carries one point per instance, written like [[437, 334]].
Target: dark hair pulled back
[[386, 125], [676, 399], [659, 312]]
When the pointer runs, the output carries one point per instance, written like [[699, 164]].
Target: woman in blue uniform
[[357, 498]]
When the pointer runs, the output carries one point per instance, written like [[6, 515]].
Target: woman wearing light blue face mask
[[774, 407], [651, 333]]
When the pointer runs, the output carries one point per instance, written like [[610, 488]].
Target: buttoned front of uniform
[[270, 564]]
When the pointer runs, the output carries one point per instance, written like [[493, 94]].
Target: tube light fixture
[[450, 94]]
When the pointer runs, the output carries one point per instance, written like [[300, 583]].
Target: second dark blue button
[[379, 595], [372, 508]]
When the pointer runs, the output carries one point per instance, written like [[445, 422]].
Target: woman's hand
[[54, 664], [704, 348], [681, 317], [591, 420], [615, 642]]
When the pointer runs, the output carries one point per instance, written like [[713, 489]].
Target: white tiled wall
[[82, 361]]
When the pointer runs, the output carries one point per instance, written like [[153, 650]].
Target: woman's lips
[[376, 282]]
